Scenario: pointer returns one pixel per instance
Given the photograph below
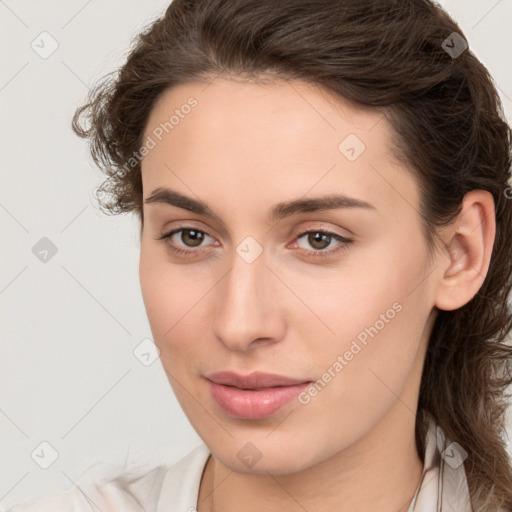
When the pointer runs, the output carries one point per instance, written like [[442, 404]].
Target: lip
[[254, 396]]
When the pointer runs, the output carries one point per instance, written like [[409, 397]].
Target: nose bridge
[[245, 309], [244, 289]]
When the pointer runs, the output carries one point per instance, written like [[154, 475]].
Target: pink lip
[[253, 396]]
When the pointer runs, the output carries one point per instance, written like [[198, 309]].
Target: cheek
[[175, 301], [363, 372], [351, 303], [165, 293], [376, 312]]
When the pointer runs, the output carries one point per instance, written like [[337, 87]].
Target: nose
[[249, 312]]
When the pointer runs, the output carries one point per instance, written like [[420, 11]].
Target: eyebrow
[[279, 211]]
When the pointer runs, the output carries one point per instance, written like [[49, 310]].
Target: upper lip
[[253, 380]]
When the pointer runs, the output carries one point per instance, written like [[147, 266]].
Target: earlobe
[[467, 249]]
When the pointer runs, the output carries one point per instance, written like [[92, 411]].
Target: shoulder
[[180, 487], [107, 488], [63, 501]]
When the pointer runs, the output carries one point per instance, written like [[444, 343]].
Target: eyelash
[[320, 253]]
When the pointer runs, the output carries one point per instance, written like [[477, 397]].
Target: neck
[[381, 471]]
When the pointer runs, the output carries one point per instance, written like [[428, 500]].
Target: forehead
[[302, 108], [278, 140]]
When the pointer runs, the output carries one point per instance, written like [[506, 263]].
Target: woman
[[326, 251]]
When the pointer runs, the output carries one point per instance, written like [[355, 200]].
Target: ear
[[467, 248]]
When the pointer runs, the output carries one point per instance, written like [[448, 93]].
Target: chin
[[251, 455]]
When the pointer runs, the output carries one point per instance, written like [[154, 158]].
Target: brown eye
[[192, 237], [320, 241]]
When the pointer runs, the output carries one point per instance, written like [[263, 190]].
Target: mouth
[[254, 396]]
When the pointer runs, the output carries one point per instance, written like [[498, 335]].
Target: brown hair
[[450, 129]]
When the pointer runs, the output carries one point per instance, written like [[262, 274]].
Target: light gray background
[[69, 326]]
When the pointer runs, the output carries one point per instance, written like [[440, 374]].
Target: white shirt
[[442, 487]]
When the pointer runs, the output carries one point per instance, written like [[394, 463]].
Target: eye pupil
[[317, 237], [196, 237]]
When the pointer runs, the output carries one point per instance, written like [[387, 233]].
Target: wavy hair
[[448, 126]]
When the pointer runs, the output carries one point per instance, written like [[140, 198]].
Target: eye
[[189, 235], [319, 239]]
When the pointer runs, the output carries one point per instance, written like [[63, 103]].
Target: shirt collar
[[443, 484]]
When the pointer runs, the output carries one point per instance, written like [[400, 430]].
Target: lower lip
[[249, 404]]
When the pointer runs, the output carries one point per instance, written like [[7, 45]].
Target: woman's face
[[259, 288]]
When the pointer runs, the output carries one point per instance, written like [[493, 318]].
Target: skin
[[242, 149]]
